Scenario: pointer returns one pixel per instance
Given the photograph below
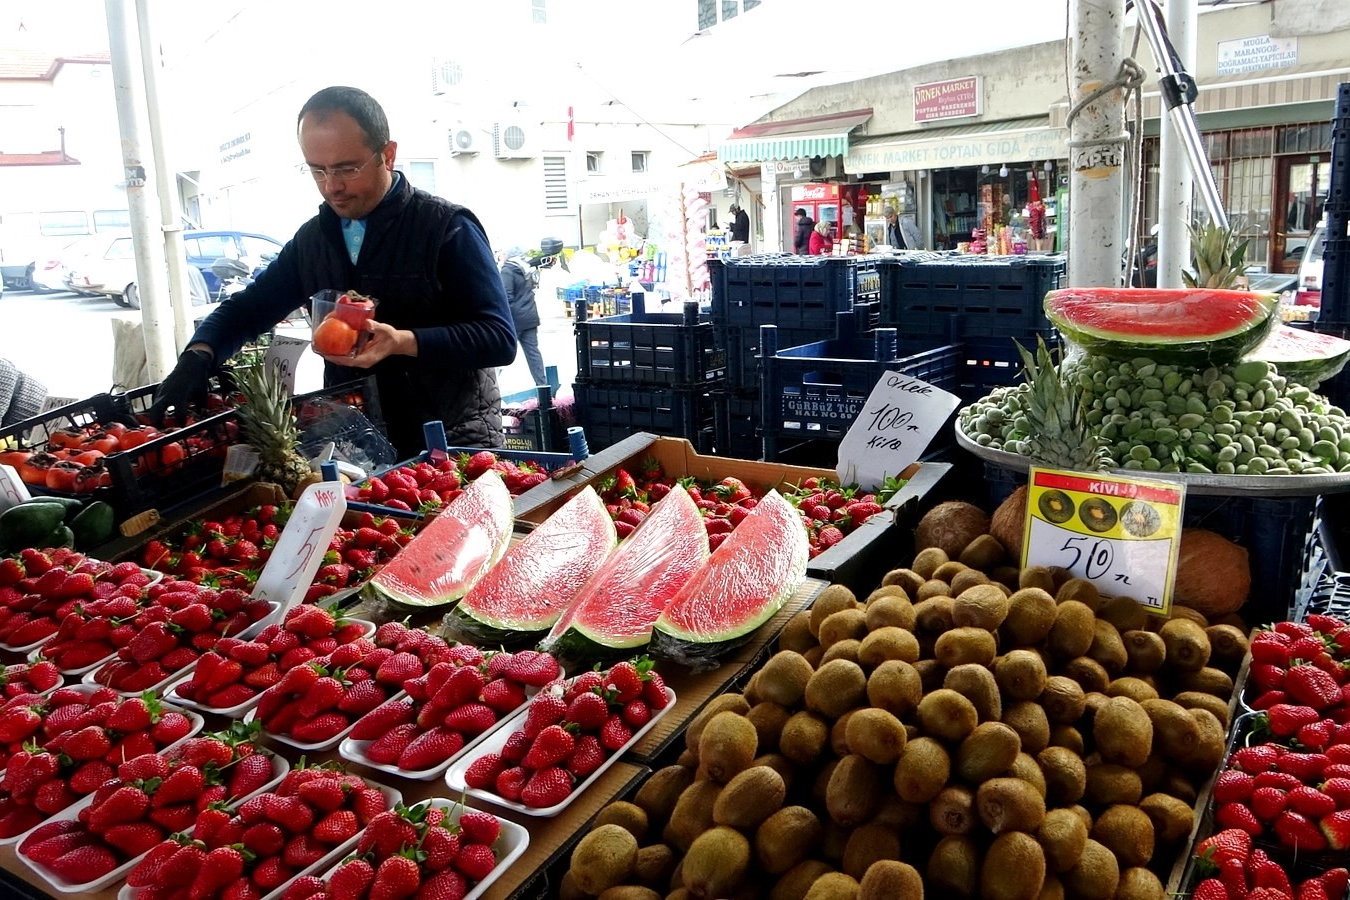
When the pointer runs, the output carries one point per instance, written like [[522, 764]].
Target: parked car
[[1310, 269], [109, 267], [51, 270]]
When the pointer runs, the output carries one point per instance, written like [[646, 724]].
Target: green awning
[[793, 139]]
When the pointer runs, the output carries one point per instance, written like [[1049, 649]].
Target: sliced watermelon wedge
[[615, 611], [1192, 326], [1308, 357], [521, 598], [454, 551], [743, 584]]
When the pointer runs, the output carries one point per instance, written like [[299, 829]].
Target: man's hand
[[384, 340], [187, 383]]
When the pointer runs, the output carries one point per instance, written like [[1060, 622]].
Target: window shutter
[[555, 183]]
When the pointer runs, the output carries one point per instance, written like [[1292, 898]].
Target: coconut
[[1213, 574], [950, 526], [1009, 520]]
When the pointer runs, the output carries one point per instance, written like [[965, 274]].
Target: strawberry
[[397, 876], [483, 460], [1298, 832], [482, 772], [471, 719], [587, 757], [381, 719], [387, 748], [1314, 889], [516, 746], [1307, 767], [545, 709], [1285, 719], [480, 827], [361, 698], [1311, 802], [442, 848], [1316, 735], [1335, 880], [1231, 843], [1233, 874], [475, 862], [546, 787], [1232, 786], [533, 668], [502, 695], [551, 747], [1266, 873], [1338, 789], [1311, 686], [323, 727], [338, 826], [1336, 829], [615, 733], [1266, 803], [625, 680], [84, 864], [271, 873], [398, 668], [1253, 760], [263, 839], [636, 714], [351, 879], [589, 711], [1239, 815], [125, 804], [430, 749], [654, 691], [511, 783]]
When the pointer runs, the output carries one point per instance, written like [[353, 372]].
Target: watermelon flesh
[[454, 550], [1307, 357], [617, 608], [743, 584], [1191, 326], [525, 594]]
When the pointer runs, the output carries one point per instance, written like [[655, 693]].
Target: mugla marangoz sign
[[954, 98]]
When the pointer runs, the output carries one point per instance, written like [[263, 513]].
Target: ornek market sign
[[954, 98]]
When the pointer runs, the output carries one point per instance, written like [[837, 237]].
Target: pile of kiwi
[[968, 729]]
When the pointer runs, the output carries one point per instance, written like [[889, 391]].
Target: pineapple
[[1218, 258], [1058, 434], [267, 423]]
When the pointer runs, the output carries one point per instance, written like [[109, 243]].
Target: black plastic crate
[[987, 363], [650, 349], [610, 414], [970, 297], [742, 345], [538, 428], [736, 421], [789, 291], [35, 432]]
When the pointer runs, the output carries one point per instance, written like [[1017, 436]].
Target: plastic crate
[[788, 291], [610, 414], [736, 421], [642, 348], [611, 301], [970, 296], [987, 363], [537, 428], [35, 432], [152, 477]]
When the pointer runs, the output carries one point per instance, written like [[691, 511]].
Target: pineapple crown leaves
[[1060, 433], [1217, 255], [890, 486]]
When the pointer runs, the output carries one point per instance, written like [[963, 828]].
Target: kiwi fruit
[[783, 678], [660, 792], [798, 880], [984, 552], [1068, 737], [976, 684], [1107, 649], [1172, 819], [1123, 732], [866, 845], [1109, 784], [954, 868], [890, 879], [987, 751], [953, 810], [894, 686], [1127, 832], [568, 890], [815, 656], [926, 562], [1178, 785], [839, 733], [910, 580], [982, 606], [835, 688], [654, 864], [630, 892], [961, 646], [1062, 836], [626, 815], [947, 715], [922, 770], [1180, 611], [749, 798], [1071, 634], [895, 612], [845, 649], [1037, 577], [1031, 615], [1175, 734], [1065, 775], [1210, 748], [968, 578], [1138, 883], [1208, 680], [1216, 706], [1020, 675], [804, 738], [693, 814], [846, 624], [1136, 689], [1009, 804], [951, 526], [853, 796], [1028, 720], [1089, 673], [768, 718], [875, 735], [888, 642], [1051, 889], [898, 814], [949, 570], [833, 886], [727, 746], [882, 592], [719, 704], [1079, 590], [1006, 575], [784, 838], [1013, 869], [689, 759], [1228, 646], [931, 672], [1025, 768], [715, 863], [1187, 645], [603, 858], [1146, 651], [1096, 876], [933, 612], [796, 634], [1124, 613], [833, 843], [820, 785], [831, 600], [1062, 700]]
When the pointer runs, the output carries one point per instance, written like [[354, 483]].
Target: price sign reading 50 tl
[[1122, 534]]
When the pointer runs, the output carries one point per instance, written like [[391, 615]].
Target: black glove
[[186, 384]]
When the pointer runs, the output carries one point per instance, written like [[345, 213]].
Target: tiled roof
[[22, 63], [46, 158]]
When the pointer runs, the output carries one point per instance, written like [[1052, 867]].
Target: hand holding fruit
[[382, 340]]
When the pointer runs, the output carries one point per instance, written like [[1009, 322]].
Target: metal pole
[[149, 249], [1096, 143], [180, 294], [1175, 181]]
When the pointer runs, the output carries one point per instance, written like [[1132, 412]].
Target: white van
[[1310, 269]]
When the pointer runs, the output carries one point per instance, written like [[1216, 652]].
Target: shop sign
[[1122, 534], [786, 168], [236, 148], [802, 192], [954, 98], [1256, 54], [949, 152], [616, 190], [895, 426]]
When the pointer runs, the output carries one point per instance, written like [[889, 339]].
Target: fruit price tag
[[285, 352], [301, 545], [899, 419], [1122, 534], [12, 489]]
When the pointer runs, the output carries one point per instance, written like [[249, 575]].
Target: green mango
[[28, 523], [93, 526]]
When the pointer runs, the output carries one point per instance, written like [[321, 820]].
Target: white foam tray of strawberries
[[36, 654], [355, 751], [60, 680], [154, 576], [232, 712], [321, 746], [280, 766], [455, 776]]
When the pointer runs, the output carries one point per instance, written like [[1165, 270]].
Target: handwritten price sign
[[1122, 534], [300, 548], [284, 353], [899, 419], [12, 489]]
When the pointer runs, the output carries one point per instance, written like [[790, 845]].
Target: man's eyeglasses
[[337, 173]]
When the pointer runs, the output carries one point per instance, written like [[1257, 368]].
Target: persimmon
[[33, 470], [354, 309], [61, 476], [88, 457], [15, 458], [334, 337], [65, 438]]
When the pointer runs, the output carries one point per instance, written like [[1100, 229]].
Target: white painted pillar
[[1176, 184]]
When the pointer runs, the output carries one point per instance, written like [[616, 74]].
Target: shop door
[[1302, 183]]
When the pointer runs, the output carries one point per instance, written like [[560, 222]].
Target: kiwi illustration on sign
[[1139, 519], [1097, 514], [1056, 506]]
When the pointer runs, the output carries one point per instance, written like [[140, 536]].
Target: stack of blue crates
[[1334, 315]]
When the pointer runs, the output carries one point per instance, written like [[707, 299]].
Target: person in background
[[801, 239], [740, 224], [442, 326], [21, 396], [894, 237], [519, 279], [820, 243]]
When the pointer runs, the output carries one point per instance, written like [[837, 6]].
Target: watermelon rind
[[483, 513], [1306, 357], [1185, 326], [763, 563], [537, 575]]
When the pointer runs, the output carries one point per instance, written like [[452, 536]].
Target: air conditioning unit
[[825, 167], [465, 140], [514, 139], [446, 75]]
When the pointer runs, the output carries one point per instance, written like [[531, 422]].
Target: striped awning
[[792, 139]]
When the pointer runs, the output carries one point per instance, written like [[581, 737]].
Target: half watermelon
[[615, 611], [1193, 326], [454, 550], [743, 584], [521, 598], [1308, 357]]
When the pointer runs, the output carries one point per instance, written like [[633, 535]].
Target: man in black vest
[[442, 326]]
